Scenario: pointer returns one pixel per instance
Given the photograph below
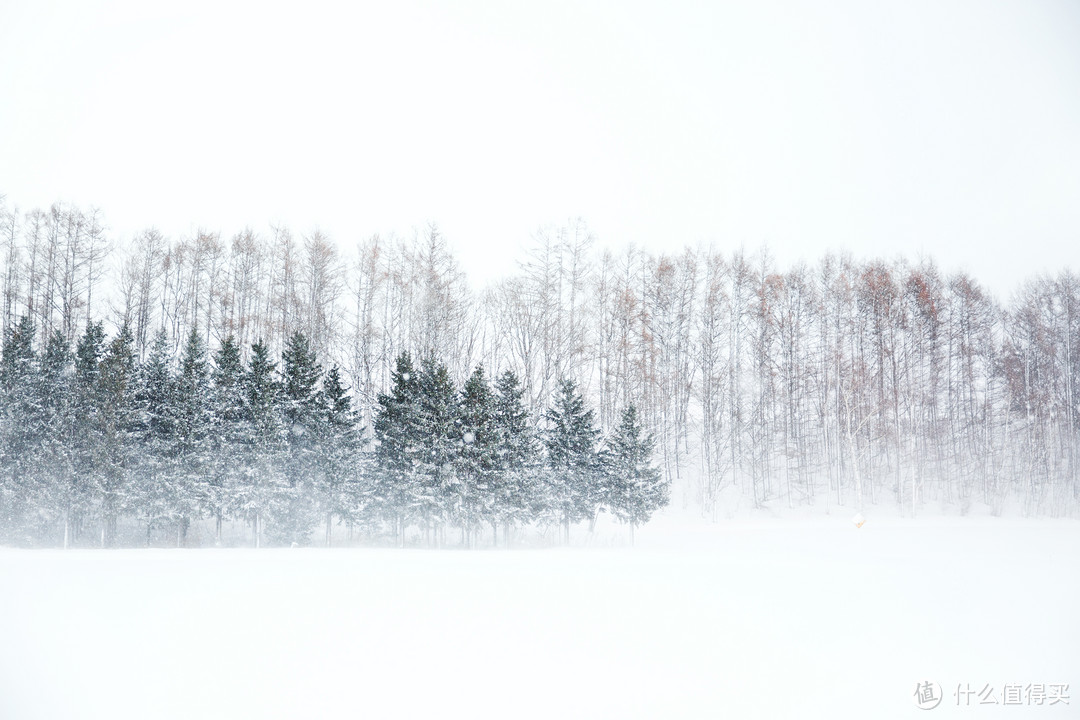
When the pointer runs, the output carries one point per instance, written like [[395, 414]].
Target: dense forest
[[95, 437], [843, 382]]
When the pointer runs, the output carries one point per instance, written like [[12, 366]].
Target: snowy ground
[[769, 618]]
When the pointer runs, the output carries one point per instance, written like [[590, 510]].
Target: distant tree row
[[96, 443], [473, 457], [834, 383]]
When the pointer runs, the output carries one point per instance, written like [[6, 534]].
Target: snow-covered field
[[778, 618]]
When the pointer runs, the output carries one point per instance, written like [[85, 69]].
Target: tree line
[[98, 445], [840, 382]]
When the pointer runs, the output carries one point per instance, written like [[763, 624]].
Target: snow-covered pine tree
[[395, 486], [294, 512], [637, 488], [339, 488], [478, 456], [516, 490], [263, 439], [300, 375], [192, 491], [17, 360], [574, 489], [439, 427], [114, 422], [229, 417], [55, 393], [85, 431], [154, 434], [22, 430], [88, 353]]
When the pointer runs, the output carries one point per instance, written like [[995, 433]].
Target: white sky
[[938, 127]]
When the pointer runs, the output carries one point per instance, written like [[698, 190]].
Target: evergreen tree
[[155, 432], [339, 488], [112, 426], [263, 440], [88, 354], [516, 492], [55, 393], [396, 487], [294, 513], [479, 458], [300, 374], [572, 493], [439, 427], [637, 487], [22, 427], [17, 361], [191, 487], [86, 398], [228, 420]]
